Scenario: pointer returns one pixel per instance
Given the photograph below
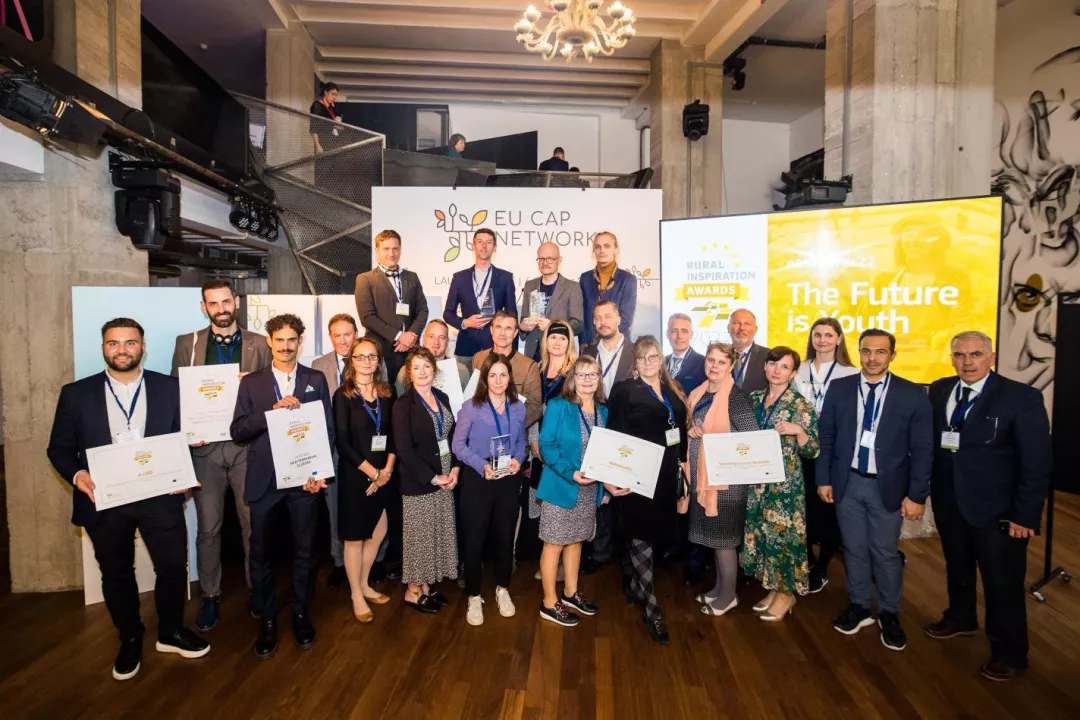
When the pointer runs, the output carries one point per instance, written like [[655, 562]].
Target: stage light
[[25, 100], [695, 121], [735, 68]]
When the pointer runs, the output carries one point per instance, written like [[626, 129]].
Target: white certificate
[[300, 444], [140, 469], [470, 387], [744, 458], [448, 380], [207, 400], [623, 461]]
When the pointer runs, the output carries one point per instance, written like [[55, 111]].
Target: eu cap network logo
[[456, 225]]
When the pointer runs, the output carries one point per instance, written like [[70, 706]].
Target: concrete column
[[58, 231], [689, 173], [909, 92]]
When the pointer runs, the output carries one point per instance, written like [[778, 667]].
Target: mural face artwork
[[1038, 171]]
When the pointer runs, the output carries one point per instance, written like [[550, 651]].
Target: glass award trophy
[[499, 447], [538, 304], [486, 304]]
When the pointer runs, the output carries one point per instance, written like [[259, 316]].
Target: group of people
[[441, 494]]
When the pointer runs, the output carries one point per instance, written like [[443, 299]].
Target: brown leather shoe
[[998, 671], [943, 630]]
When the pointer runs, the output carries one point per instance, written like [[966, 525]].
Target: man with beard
[[122, 404], [749, 370], [437, 340], [218, 465], [285, 384]]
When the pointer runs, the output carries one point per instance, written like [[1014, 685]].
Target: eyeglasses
[[546, 259], [365, 358], [650, 359], [587, 375]]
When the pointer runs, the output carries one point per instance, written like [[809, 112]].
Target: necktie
[[960, 411], [675, 365], [867, 426], [740, 360]]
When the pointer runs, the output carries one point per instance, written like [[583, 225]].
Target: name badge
[[950, 440], [444, 447], [378, 443], [403, 309], [127, 436], [868, 439], [672, 436]]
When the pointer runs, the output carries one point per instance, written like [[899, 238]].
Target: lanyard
[[877, 404], [134, 399], [764, 421], [330, 109], [438, 415], [585, 423], [742, 370], [549, 390], [498, 425], [663, 399], [614, 358], [824, 386], [960, 412], [221, 353], [376, 417], [483, 286]]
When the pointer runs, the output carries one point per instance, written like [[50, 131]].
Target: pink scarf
[[716, 421]]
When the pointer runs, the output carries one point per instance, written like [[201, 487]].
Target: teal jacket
[[560, 446]]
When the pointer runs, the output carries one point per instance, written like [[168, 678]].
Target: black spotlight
[[240, 216], [270, 227], [25, 100], [695, 120], [147, 206], [735, 68]]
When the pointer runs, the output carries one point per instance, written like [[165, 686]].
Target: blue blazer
[[82, 422], [691, 372], [623, 292], [560, 446], [903, 447], [248, 427], [462, 296]]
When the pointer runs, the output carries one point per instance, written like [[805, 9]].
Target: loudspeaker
[[695, 120]]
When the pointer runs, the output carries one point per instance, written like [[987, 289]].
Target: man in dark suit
[[125, 403], [685, 365], [390, 302], [749, 370], [876, 453], [285, 384], [475, 295], [218, 465], [991, 476], [560, 298], [556, 163]]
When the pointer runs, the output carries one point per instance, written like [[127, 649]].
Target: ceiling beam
[[540, 101], [724, 25], [479, 59], [686, 12], [451, 86], [340, 69]]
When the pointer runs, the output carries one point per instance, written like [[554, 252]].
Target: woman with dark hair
[[324, 107], [568, 499], [423, 428], [652, 407], [774, 549], [717, 513], [490, 442], [457, 145], [365, 444], [826, 360]]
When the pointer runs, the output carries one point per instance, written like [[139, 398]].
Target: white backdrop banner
[[437, 224]]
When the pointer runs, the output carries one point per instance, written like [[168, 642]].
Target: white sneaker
[[506, 605], [475, 616]]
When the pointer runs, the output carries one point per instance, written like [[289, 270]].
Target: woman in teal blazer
[[568, 499]]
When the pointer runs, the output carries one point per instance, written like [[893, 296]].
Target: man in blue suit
[[475, 295], [285, 384], [685, 365], [876, 434], [122, 404]]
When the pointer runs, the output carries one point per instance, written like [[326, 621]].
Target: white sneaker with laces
[[506, 605], [475, 616]]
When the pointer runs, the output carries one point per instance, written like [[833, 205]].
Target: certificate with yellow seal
[[207, 401], [743, 458], [623, 461], [127, 472], [300, 444]]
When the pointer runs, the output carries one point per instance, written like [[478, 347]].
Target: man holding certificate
[[284, 385], [123, 405], [202, 360]]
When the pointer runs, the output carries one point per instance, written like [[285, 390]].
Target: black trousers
[[160, 521], [527, 546], [394, 526], [304, 516], [488, 505], [602, 547], [822, 527], [1002, 560]]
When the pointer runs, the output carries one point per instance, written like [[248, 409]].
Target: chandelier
[[576, 28]]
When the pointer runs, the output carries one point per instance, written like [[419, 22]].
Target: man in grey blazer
[[390, 302], [560, 297], [218, 465], [749, 370]]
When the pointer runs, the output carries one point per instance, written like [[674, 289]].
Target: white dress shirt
[[879, 399], [286, 382], [118, 424], [976, 390], [609, 359], [815, 391], [678, 358]]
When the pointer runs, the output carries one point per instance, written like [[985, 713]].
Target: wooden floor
[[56, 658]]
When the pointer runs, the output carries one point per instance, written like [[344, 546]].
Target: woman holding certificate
[[717, 513], [362, 410], [423, 426], [490, 442], [568, 499], [774, 549], [650, 407]]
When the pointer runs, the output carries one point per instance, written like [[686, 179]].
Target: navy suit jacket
[[82, 422], [903, 446], [255, 398], [1002, 469], [462, 295], [691, 372]]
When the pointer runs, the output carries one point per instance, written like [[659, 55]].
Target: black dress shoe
[[943, 630], [998, 671], [128, 660], [208, 614], [337, 577], [658, 631], [266, 644], [438, 598], [184, 643], [424, 605], [303, 631]]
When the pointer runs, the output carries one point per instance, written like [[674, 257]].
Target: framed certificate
[[744, 458], [623, 461], [207, 400], [300, 444], [140, 469]]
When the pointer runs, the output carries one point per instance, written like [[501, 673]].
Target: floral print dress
[[774, 545]]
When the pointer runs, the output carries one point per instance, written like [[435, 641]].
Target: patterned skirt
[[566, 526], [430, 538]]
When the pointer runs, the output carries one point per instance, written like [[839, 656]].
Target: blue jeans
[[871, 535]]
